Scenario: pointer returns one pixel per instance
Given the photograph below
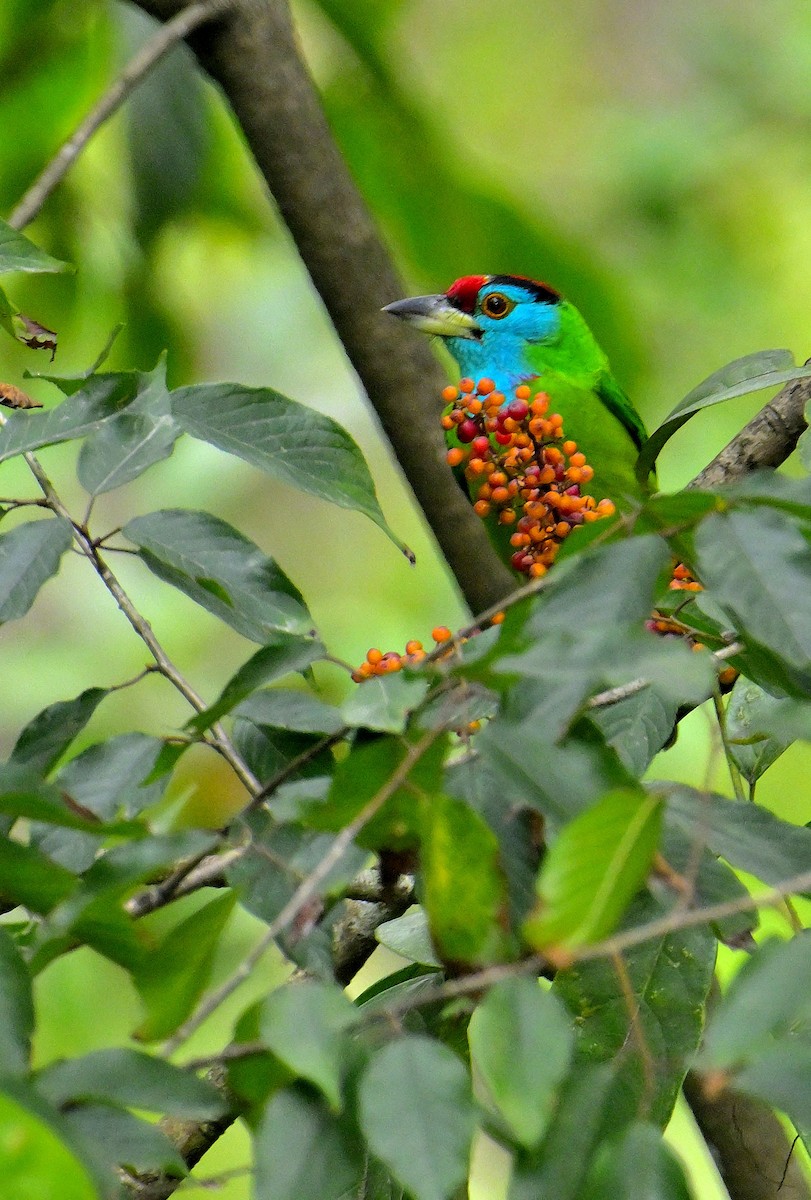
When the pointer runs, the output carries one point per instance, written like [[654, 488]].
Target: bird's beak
[[434, 314]]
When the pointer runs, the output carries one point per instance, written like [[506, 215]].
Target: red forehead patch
[[463, 293]]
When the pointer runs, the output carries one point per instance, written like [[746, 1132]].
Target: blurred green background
[[651, 160]]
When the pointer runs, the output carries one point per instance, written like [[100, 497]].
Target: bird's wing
[[618, 404]]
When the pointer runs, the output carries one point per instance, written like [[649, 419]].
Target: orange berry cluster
[[378, 663], [683, 580], [521, 468]]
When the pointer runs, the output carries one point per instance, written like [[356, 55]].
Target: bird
[[514, 330]]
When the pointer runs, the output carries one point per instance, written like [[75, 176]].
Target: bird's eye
[[496, 305]]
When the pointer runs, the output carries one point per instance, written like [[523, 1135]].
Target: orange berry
[[474, 407], [499, 495], [578, 460], [454, 456], [570, 447], [466, 385], [413, 647], [540, 404], [447, 421], [498, 617], [562, 529], [586, 473], [506, 517], [485, 386], [521, 393], [441, 634], [481, 508], [476, 466], [537, 570], [374, 656], [449, 394]]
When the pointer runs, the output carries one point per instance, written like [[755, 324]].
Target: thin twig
[[166, 38], [220, 740], [625, 690], [304, 892]]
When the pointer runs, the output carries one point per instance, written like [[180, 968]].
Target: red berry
[[481, 445], [504, 439], [467, 430], [517, 409]]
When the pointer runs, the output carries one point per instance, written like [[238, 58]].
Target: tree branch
[[253, 54], [766, 441]]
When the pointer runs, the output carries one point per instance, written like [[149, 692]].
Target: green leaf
[[637, 727], [465, 892], [18, 253], [255, 1077], [594, 868], [409, 936], [361, 776], [44, 739], [746, 835], [756, 565], [668, 980], [713, 882], [29, 556], [521, 1041], [51, 1131], [133, 1079], [218, 568], [384, 702], [304, 1026], [283, 654], [290, 708], [752, 373], [303, 1152], [29, 878], [288, 441], [100, 398], [770, 992], [16, 1008], [113, 1138], [639, 1167], [268, 750], [557, 781], [573, 639], [172, 978], [109, 777], [36, 1162], [417, 1114], [125, 446], [559, 1166], [23, 794], [781, 1075], [750, 711], [278, 858]]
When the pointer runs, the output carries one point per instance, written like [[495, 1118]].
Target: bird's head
[[488, 322]]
